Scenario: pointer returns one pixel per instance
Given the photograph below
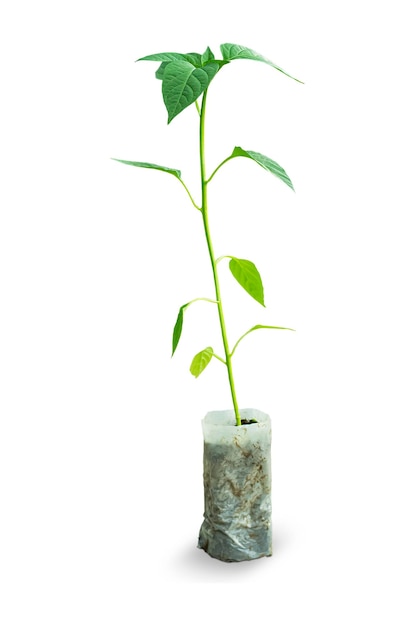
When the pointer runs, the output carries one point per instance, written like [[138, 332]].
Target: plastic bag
[[237, 486]]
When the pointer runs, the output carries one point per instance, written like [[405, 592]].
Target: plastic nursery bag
[[237, 486]]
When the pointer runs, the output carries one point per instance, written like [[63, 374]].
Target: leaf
[[265, 162], [248, 277], [194, 58], [163, 56], [200, 361], [207, 56], [183, 83], [191, 57], [177, 329], [233, 51], [161, 69], [151, 166], [220, 62]]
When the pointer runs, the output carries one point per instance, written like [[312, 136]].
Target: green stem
[[204, 209]]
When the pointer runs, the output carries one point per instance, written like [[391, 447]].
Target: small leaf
[[248, 277], [207, 56], [233, 51], [151, 166], [200, 361], [265, 162], [183, 83], [178, 329]]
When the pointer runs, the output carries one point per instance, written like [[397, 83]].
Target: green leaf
[[200, 361], [207, 56], [194, 58], [151, 166], [191, 57], [220, 62], [233, 51], [265, 162], [161, 69], [248, 277], [178, 329], [166, 57], [183, 83]]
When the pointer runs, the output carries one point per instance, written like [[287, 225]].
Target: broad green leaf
[[248, 277], [178, 329], [191, 57], [163, 56], [265, 162], [151, 166], [166, 57], [182, 84], [207, 56], [194, 58], [200, 361], [161, 69], [220, 62], [233, 51]]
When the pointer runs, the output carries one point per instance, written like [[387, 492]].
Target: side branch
[[256, 328], [224, 256], [189, 194], [204, 299], [219, 358], [218, 167]]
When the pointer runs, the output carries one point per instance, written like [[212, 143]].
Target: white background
[[100, 445]]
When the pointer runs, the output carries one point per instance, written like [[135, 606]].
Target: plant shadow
[[193, 565]]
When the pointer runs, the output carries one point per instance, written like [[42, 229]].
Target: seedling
[[185, 81]]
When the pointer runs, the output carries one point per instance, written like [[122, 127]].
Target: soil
[[245, 422]]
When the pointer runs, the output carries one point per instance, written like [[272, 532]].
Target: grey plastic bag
[[237, 486]]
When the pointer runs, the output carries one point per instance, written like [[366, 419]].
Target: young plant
[[185, 78]]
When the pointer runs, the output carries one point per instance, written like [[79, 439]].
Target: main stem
[[204, 183]]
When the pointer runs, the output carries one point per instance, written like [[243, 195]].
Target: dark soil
[[245, 422]]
